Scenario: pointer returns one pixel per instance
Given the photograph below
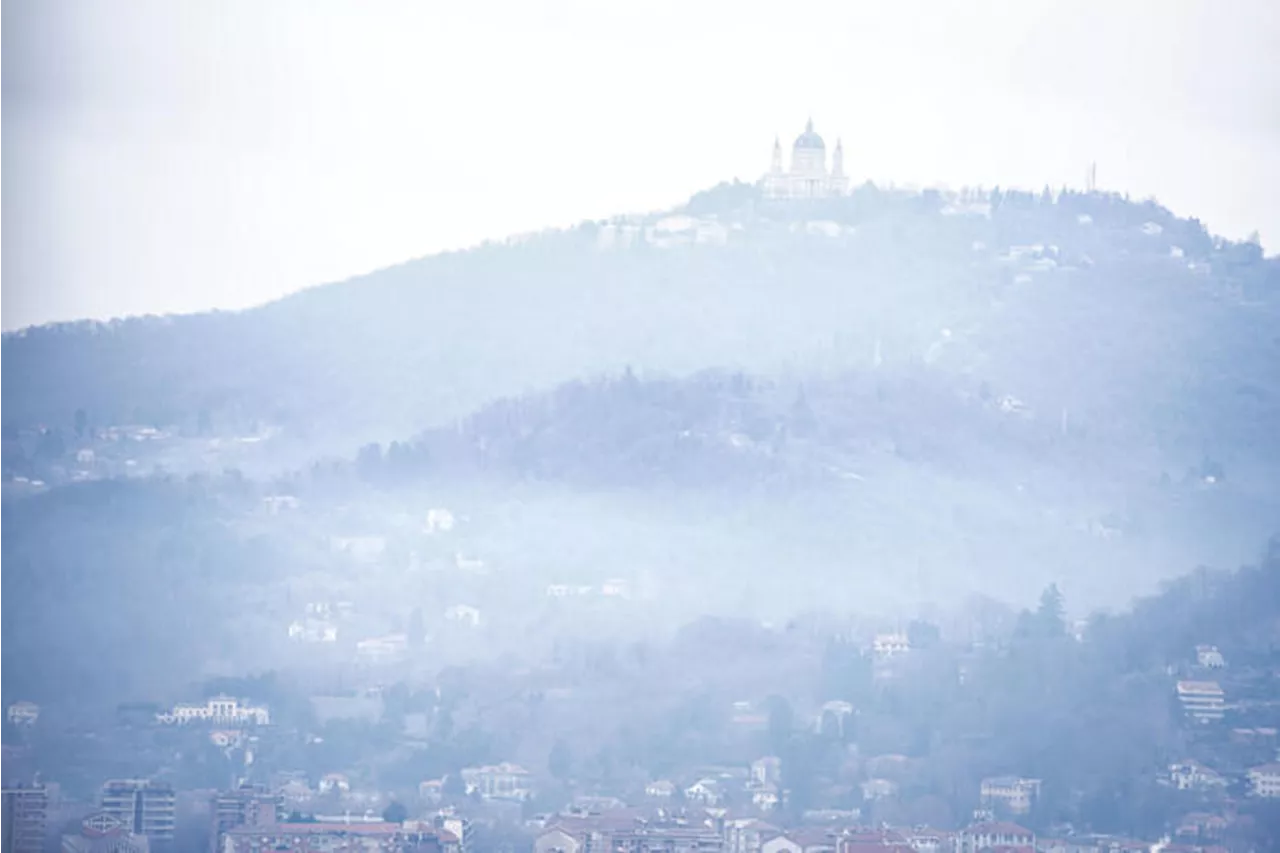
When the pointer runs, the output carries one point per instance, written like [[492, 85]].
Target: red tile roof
[[871, 847], [997, 828], [379, 828]]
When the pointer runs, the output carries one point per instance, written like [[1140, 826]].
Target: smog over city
[[577, 428]]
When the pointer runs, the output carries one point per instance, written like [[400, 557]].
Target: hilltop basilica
[[808, 176]]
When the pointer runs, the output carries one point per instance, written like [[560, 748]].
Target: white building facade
[[24, 713], [1013, 793], [1264, 781], [220, 710], [505, 781], [1193, 776], [1203, 701], [808, 176], [1210, 658]]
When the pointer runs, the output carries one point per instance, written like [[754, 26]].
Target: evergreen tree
[[1051, 615]]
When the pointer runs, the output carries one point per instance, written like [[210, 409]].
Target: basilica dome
[[809, 139]]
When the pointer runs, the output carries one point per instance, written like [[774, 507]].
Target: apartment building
[[143, 807], [1203, 701], [1012, 793], [246, 805], [26, 808]]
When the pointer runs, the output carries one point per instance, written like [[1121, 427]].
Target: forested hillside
[[113, 588], [730, 493], [893, 396], [1119, 314]]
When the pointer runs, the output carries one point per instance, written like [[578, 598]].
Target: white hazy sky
[[166, 156]]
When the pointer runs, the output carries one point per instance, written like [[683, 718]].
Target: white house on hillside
[[661, 789], [766, 770], [24, 713], [994, 834], [505, 781], [706, 792], [383, 649], [334, 783], [463, 613], [1265, 780], [1204, 701], [1012, 792], [766, 797], [221, 710], [439, 520], [891, 645], [1209, 657], [1193, 776]]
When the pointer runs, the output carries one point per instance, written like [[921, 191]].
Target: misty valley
[[886, 520]]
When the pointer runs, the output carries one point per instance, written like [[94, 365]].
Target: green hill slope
[[1121, 314]]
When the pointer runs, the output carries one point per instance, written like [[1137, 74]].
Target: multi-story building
[[668, 839], [994, 835], [603, 834], [26, 808], [220, 710], [143, 807], [24, 713], [1012, 793], [386, 649], [311, 630], [746, 835], [890, 645], [245, 805], [1264, 780], [1191, 775], [706, 792], [766, 771], [834, 717], [503, 781], [337, 837], [660, 789], [1203, 701], [448, 824], [1209, 657]]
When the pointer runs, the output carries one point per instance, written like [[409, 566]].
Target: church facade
[[808, 176]]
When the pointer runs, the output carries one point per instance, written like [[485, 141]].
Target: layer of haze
[[164, 157]]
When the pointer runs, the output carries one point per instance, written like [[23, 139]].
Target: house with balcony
[[661, 789], [990, 835], [24, 713], [1264, 780], [766, 798], [1191, 775], [505, 781], [706, 792], [1202, 701], [1210, 658], [1014, 794], [220, 711]]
